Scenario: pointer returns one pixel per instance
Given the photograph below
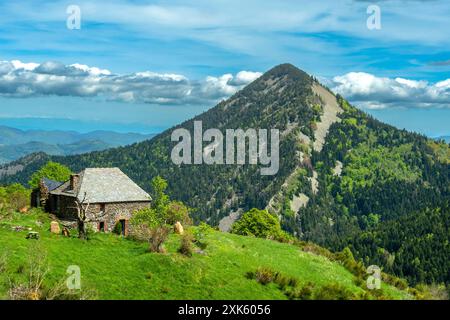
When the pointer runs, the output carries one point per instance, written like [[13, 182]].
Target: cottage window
[[102, 207]]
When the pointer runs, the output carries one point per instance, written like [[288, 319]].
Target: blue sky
[[146, 65]]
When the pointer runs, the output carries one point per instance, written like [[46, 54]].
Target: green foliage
[[414, 246], [186, 244], [51, 170], [293, 289], [431, 292], [265, 275], [151, 222], [258, 223], [158, 235], [200, 234], [367, 165], [148, 217], [441, 150], [13, 198], [383, 205], [162, 211], [160, 198], [118, 228], [177, 211], [333, 291], [349, 262]]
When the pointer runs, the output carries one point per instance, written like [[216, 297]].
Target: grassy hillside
[[118, 268]]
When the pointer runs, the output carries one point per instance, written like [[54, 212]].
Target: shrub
[[13, 198], [401, 284], [264, 275], [258, 223], [303, 293], [178, 211], [186, 244], [333, 291], [349, 262], [118, 228], [158, 235], [36, 288], [282, 280], [200, 235], [163, 211], [315, 249], [430, 292], [139, 232]]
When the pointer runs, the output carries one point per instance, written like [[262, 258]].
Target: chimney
[[74, 181]]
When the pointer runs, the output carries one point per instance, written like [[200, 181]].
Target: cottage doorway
[[101, 226], [123, 224]]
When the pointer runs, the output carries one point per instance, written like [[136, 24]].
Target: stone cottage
[[110, 195]]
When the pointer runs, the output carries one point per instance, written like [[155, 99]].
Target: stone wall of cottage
[[64, 207], [109, 213], [113, 213]]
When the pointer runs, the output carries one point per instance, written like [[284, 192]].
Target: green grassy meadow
[[118, 268]]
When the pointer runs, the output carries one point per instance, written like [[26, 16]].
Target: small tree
[[200, 235], [163, 211], [186, 244], [258, 223], [158, 235], [51, 170], [160, 198], [82, 207], [177, 211], [152, 222]]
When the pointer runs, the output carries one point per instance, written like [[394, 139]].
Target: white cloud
[[370, 91], [92, 70], [18, 79], [245, 77], [26, 66]]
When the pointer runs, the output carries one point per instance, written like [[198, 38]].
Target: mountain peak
[[289, 70]]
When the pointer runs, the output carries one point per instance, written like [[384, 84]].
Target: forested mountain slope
[[345, 179]]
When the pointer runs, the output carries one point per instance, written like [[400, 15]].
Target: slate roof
[[104, 185], [51, 184]]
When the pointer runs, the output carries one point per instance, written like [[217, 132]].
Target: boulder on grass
[[54, 227], [178, 228]]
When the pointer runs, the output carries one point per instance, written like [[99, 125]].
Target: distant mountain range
[[16, 143]]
